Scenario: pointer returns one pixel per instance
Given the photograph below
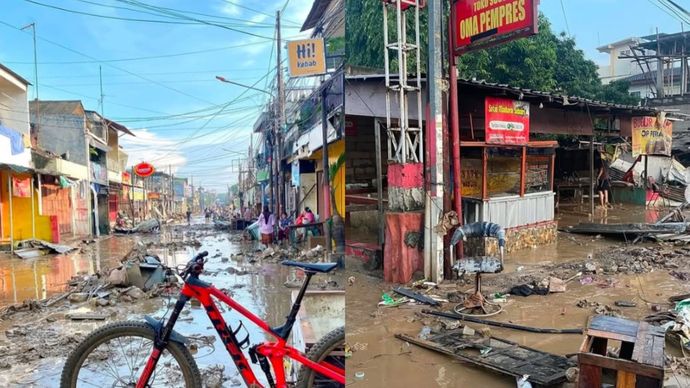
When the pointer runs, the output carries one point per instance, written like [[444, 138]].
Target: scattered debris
[[34, 248], [625, 303], [416, 296], [502, 324]]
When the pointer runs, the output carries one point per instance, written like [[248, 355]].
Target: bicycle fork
[[161, 341]]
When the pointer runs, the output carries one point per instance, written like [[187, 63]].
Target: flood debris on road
[[34, 248]]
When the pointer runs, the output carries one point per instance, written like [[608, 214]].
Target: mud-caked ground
[[49, 304], [598, 273]]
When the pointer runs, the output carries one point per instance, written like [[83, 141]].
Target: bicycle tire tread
[[318, 352], [125, 328]]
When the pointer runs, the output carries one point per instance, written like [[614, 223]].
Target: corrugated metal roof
[[67, 107], [317, 10], [563, 99]]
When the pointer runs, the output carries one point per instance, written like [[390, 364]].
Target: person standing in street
[[604, 185], [266, 223], [189, 217]]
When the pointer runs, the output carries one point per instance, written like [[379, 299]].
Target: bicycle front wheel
[[331, 348], [116, 354]]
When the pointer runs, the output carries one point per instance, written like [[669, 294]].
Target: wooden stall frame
[[523, 163]]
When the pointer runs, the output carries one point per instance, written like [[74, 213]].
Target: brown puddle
[[257, 286], [387, 361]]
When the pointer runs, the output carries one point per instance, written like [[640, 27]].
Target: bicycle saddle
[[316, 267]]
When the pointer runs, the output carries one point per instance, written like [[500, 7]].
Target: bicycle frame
[[274, 352]]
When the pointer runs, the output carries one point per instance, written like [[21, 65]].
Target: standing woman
[[266, 222], [604, 185]]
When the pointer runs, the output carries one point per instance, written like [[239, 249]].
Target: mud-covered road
[[34, 343]]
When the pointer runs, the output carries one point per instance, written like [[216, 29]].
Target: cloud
[[231, 9], [147, 146]]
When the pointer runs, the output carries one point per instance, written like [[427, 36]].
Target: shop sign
[[651, 136], [507, 121], [485, 23], [144, 169], [306, 57]]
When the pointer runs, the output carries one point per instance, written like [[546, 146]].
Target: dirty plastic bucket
[[253, 230]]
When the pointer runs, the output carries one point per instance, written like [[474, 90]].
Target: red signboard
[[507, 121], [144, 169], [484, 23]]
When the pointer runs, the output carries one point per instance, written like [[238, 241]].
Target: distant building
[[619, 68]]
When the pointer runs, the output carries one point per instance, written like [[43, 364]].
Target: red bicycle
[[146, 354]]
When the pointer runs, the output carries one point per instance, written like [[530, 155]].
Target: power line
[[156, 14], [261, 12], [110, 65], [125, 18], [170, 11], [565, 17], [143, 58]]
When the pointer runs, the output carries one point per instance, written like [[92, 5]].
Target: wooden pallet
[[506, 357], [641, 358]]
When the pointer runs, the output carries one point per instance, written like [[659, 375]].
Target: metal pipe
[[435, 84], [455, 135], [379, 183], [326, 178]]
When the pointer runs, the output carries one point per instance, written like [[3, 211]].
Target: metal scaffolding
[[405, 144]]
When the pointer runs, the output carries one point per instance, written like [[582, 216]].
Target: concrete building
[[20, 216]]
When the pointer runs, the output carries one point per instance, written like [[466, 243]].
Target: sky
[[158, 78], [595, 23]]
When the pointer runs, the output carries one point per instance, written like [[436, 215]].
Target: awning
[[15, 167], [98, 144]]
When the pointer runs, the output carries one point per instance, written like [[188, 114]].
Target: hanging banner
[[507, 121], [21, 187], [306, 57], [295, 173], [485, 23], [651, 136]]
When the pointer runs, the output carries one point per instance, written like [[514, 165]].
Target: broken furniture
[[499, 355], [477, 301], [640, 363]]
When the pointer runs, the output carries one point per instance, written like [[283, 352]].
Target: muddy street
[[645, 275], [36, 339]]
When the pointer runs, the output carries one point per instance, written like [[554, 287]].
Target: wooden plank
[[618, 364], [625, 379], [590, 376], [650, 346], [548, 373], [611, 336], [615, 325]]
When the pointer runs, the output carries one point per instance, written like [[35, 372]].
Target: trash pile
[[151, 225]]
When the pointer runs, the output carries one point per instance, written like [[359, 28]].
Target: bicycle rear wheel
[[116, 354], [331, 348]]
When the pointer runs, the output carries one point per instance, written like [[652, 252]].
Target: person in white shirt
[[266, 223]]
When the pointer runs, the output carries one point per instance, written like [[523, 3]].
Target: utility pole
[[326, 179], [100, 78], [38, 104], [434, 204], [280, 117]]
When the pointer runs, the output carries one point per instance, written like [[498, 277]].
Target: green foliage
[[546, 61], [617, 91]]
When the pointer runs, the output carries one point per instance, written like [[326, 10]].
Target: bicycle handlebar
[[196, 264]]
